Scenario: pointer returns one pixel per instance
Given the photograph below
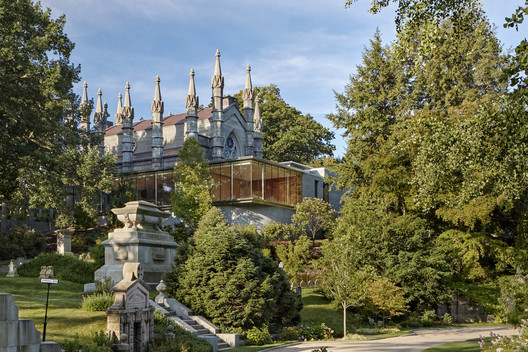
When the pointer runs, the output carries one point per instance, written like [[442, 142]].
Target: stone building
[[247, 188]]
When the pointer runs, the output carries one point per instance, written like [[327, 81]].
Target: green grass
[[258, 348], [465, 346], [65, 318]]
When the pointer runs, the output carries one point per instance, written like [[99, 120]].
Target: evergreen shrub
[[428, 318], [314, 331], [65, 267]]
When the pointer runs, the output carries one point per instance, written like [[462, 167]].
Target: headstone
[[131, 313], [64, 237], [310, 283], [316, 282], [302, 284], [281, 265], [42, 274], [140, 240], [46, 272], [12, 269]]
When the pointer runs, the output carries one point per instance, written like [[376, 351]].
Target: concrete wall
[[257, 214]]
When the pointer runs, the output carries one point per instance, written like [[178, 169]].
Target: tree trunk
[[344, 319]]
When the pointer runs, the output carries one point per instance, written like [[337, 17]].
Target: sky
[[308, 48]]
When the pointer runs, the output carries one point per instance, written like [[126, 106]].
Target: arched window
[[230, 148]]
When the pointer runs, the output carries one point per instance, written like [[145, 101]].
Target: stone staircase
[[194, 324]]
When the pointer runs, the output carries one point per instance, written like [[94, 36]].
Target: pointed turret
[[157, 127], [100, 120], [247, 96], [127, 112], [118, 117], [217, 83], [191, 104], [85, 110], [257, 130]]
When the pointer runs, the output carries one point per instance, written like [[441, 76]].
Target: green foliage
[[314, 332], [386, 299], [191, 198], [104, 285], [513, 301], [258, 336], [288, 134], [375, 331], [21, 242], [428, 318], [507, 343], [182, 342], [97, 253], [97, 301], [100, 343], [447, 319], [315, 215], [65, 267], [224, 276], [295, 256], [276, 231], [123, 193], [36, 77]]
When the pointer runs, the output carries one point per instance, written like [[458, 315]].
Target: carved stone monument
[[131, 314], [140, 240], [64, 237], [12, 269]]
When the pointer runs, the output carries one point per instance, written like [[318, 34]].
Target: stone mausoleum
[[248, 188]]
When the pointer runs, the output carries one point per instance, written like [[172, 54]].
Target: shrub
[[428, 318], [97, 301], [507, 343], [97, 253], [65, 267], [104, 285], [100, 343], [376, 331], [258, 337], [21, 241], [314, 331], [287, 333], [447, 319], [276, 231]]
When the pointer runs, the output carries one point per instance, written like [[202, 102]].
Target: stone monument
[[64, 237], [131, 314], [12, 269], [140, 240]]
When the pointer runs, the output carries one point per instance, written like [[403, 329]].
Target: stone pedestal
[[64, 237], [140, 240], [12, 269]]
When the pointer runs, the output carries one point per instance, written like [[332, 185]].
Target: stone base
[[152, 274]]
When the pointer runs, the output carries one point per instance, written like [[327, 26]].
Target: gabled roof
[[167, 121]]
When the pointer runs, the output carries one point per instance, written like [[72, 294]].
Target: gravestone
[[140, 240], [12, 269], [46, 272], [64, 237], [131, 314], [302, 284]]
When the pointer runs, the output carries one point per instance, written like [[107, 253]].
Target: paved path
[[416, 342]]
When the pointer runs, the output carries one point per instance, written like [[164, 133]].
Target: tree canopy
[[36, 80], [287, 134]]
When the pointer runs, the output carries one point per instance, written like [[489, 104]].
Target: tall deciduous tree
[[191, 198], [287, 133], [36, 80], [315, 215]]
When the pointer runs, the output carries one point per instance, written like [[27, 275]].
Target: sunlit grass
[[65, 317]]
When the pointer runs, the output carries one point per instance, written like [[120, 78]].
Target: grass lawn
[[65, 317], [465, 346], [320, 310], [258, 348]]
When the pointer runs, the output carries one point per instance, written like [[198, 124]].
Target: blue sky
[[308, 48]]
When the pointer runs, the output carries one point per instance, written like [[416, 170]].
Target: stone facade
[[140, 240], [131, 314]]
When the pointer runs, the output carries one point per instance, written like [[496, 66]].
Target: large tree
[[36, 80], [288, 134], [191, 197]]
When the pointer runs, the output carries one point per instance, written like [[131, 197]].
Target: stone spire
[[257, 130], [85, 110], [191, 104], [247, 96], [118, 117], [217, 83], [100, 120], [127, 112], [157, 127]]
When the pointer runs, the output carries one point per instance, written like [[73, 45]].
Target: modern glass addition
[[247, 180], [234, 181]]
